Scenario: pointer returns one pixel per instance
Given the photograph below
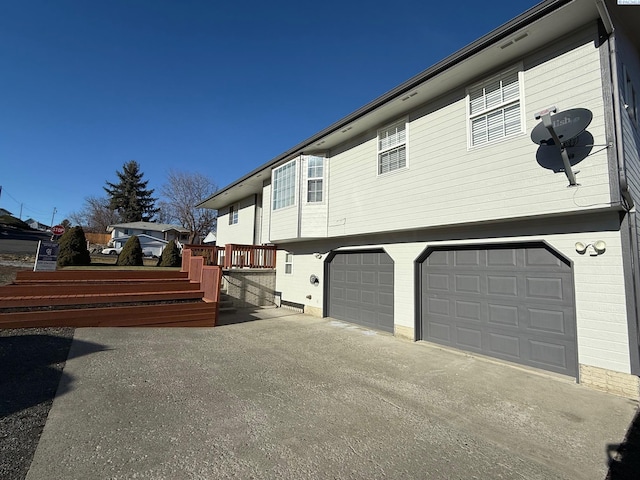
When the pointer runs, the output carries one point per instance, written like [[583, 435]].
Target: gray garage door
[[360, 289], [511, 303]]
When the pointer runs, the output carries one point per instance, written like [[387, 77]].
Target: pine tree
[[130, 196], [73, 248], [170, 256], [131, 254]]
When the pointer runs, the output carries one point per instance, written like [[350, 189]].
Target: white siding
[[266, 214], [241, 232], [447, 183], [296, 286], [313, 218]]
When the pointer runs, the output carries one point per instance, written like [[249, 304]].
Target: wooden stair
[[114, 298]]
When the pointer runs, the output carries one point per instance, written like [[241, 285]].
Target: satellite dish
[[567, 125], [548, 157]]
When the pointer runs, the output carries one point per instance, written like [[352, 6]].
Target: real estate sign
[[47, 256]]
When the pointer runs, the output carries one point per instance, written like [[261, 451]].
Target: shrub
[[170, 256], [73, 248], [131, 254]]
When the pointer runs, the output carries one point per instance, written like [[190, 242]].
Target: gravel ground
[[31, 363], [32, 360]]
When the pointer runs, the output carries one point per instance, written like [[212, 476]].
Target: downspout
[[627, 199]]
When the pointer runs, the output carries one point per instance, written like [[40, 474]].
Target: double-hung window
[[392, 147], [315, 177], [233, 215], [288, 263], [284, 185], [495, 109]]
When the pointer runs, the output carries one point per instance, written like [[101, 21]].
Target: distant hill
[[10, 221]]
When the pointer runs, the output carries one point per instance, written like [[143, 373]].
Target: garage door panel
[[513, 303], [548, 321], [366, 278], [352, 295], [385, 279], [437, 281], [467, 258], [468, 310], [440, 331], [368, 297], [502, 285], [549, 354], [437, 306], [503, 315], [337, 293], [537, 257], [469, 337], [438, 258], [507, 346], [501, 258], [547, 288], [468, 283]]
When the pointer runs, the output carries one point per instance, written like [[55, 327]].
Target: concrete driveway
[[290, 396]]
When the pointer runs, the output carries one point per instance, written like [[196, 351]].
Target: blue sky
[[204, 86]]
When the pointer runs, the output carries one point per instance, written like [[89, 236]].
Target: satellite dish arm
[[546, 121]]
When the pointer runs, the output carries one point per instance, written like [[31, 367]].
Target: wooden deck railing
[[234, 255]]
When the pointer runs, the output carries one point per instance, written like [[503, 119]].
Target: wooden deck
[[114, 298]]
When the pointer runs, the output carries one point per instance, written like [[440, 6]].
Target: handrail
[[235, 255]]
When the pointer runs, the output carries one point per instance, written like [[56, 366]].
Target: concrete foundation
[[250, 287]]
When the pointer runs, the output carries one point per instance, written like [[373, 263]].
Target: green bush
[[170, 256], [131, 254], [73, 248]]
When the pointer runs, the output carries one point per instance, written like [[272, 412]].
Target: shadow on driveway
[[32, 367], [624, 458]]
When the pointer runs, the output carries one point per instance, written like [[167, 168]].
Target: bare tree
[[182, 192], [96, 215]]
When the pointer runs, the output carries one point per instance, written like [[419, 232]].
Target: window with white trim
[[284, 185], [288, 263], [315, 177], [630, 98], [392, 147], [233, 215], [494, 108]]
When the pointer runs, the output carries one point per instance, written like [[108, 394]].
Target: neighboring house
[[430, 212], [162, 231], [151, 246], [210, 238], [36, 225], [4, 212]]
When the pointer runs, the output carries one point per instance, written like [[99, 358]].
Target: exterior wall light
[[317, 255], [595, 248]]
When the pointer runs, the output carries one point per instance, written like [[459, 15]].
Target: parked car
[[117, 250]]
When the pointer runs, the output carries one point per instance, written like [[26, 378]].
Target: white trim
[[288, 262], [501, 106], [404, 143], [292, 201]]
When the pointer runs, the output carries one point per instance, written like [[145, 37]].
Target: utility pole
[[53, 215]]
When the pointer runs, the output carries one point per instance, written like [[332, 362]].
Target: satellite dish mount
[[560, 129]]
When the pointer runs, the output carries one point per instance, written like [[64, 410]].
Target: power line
[[23, 206]]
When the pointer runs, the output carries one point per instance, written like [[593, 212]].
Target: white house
[[162, 231], [431, 213], [153, 236]]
